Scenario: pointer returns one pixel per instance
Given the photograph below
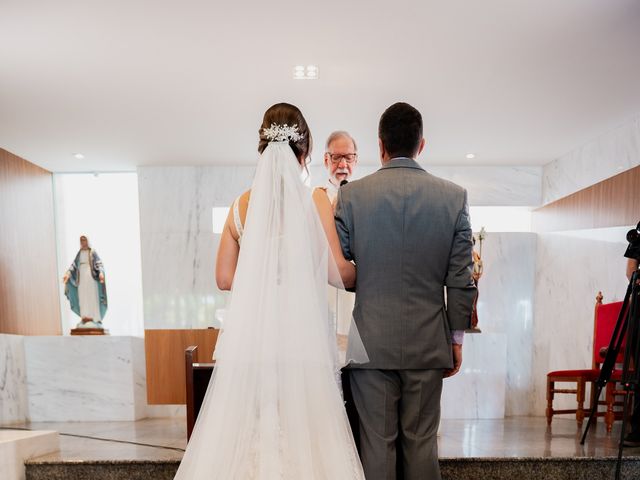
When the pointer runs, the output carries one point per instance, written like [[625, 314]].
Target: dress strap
[[236, 217]]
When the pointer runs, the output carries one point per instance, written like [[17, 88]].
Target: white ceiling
[[131, 83]]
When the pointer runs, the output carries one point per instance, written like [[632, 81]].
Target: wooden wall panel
[[614, 202], [164, 351], [29, 302]]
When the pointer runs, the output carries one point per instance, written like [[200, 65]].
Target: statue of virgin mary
[[85, 286]]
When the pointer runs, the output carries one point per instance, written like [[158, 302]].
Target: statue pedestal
[[89, 331], [88, 378]]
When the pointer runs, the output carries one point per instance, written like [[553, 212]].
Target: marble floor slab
[[515, 437], [17, 446], [145, 440]]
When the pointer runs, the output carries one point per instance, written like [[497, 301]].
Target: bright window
[[103, 207], [501, 219]]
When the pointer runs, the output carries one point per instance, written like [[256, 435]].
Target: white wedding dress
[[274, 409]]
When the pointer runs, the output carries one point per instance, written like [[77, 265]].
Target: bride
[[273, 409]]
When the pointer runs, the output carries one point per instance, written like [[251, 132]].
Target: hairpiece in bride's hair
[[282, 133]]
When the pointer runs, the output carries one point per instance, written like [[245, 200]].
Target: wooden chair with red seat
[[608, 316], [605, 317], [614, 406]]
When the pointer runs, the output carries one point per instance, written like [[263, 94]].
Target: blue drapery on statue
[[71, 288]]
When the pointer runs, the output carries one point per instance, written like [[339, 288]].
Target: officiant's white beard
[[339, 175]]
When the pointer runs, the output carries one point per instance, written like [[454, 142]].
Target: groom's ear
[[382, 150], [423, 142]]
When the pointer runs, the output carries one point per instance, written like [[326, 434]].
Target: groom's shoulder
[[377, 181], [445, 185], [355, 185]]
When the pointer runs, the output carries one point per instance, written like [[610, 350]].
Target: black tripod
[[628, 320]]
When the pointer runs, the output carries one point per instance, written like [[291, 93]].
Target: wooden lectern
[[164, 351]]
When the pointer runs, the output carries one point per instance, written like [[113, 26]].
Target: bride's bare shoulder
[[244, 198], [321, 199], [319, 194], [243, 204]]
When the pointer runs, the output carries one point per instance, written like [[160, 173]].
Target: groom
[[409, 234]]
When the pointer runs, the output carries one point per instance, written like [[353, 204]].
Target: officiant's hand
[[457, 361], [65, 279], [101, 277]]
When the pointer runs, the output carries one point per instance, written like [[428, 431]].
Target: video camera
[[633, 237]]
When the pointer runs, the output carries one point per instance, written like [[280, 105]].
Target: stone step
[[102, 470], [570, 468]]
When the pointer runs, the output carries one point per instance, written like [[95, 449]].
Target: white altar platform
[[88, 379]]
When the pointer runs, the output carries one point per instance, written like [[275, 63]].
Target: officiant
[[340, 160]]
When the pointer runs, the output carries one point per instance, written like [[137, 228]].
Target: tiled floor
[[493, 449], [526, 437], [513, 437], [170, 433]]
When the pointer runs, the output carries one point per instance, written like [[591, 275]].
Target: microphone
[[344, 182]]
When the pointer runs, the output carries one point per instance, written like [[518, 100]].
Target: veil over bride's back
[[273, 408]]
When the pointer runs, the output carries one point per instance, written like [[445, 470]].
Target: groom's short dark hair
[[400, 130]]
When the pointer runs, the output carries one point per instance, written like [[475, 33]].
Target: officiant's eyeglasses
[[338, 157]]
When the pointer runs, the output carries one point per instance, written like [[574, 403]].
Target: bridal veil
[[273, 409]]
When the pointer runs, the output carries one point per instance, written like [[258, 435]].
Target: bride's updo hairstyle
[[287, 114]]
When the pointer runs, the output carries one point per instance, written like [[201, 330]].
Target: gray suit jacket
[[410, 236]]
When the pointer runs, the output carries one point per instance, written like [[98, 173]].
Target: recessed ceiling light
[[470, 155], [310, 72], [79, 156]]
